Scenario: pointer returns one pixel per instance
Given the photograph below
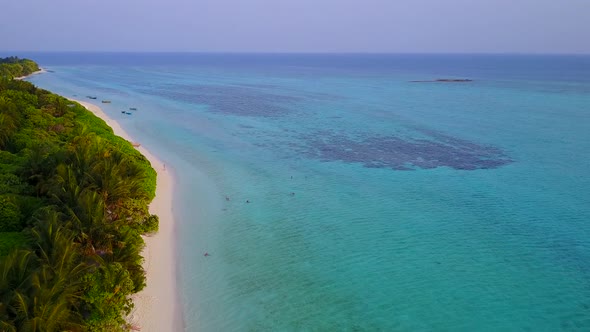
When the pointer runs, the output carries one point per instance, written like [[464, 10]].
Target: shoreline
[[40, 71], [157, 306]]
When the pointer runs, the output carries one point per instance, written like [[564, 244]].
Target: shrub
[[12, 240], [10, 216], [150, 225]]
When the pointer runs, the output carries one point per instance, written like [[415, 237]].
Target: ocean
[[335, 193]]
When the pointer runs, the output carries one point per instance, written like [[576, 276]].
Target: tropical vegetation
[[73, 206], [15, 67]]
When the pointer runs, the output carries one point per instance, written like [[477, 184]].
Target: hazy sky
[[532, 26]]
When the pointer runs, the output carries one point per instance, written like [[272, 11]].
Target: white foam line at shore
[[157, 305]]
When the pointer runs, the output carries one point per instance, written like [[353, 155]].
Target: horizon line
[[297, 52]]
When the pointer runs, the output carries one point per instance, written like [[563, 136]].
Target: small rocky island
[[446, 80]]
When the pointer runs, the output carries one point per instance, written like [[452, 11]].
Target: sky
[[374, 26]]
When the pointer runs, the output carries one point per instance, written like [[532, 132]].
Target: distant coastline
[[17, 68], [40, 71]]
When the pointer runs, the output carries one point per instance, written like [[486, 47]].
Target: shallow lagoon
[[416, 206]]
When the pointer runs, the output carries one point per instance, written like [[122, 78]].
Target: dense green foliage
[[15, 67], [73, 204], [12, 240]]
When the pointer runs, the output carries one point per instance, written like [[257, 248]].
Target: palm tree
[[33, 298], [39, 165], [16, 270], [41, 293], [88, 223], [127, 252], [7, 129], [117, 180], [65, 185], [56, 247]]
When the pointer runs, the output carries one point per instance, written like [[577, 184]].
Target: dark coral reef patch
[[430, 150]]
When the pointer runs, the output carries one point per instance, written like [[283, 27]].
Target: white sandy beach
[[40, 71], [156, 307]]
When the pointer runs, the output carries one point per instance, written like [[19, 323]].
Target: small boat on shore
[[135, 144], [106, 101]]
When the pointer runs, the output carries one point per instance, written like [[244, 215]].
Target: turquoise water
[[376, 203]]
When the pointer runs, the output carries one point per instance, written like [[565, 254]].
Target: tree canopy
[[73, 206], [14, 67]]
